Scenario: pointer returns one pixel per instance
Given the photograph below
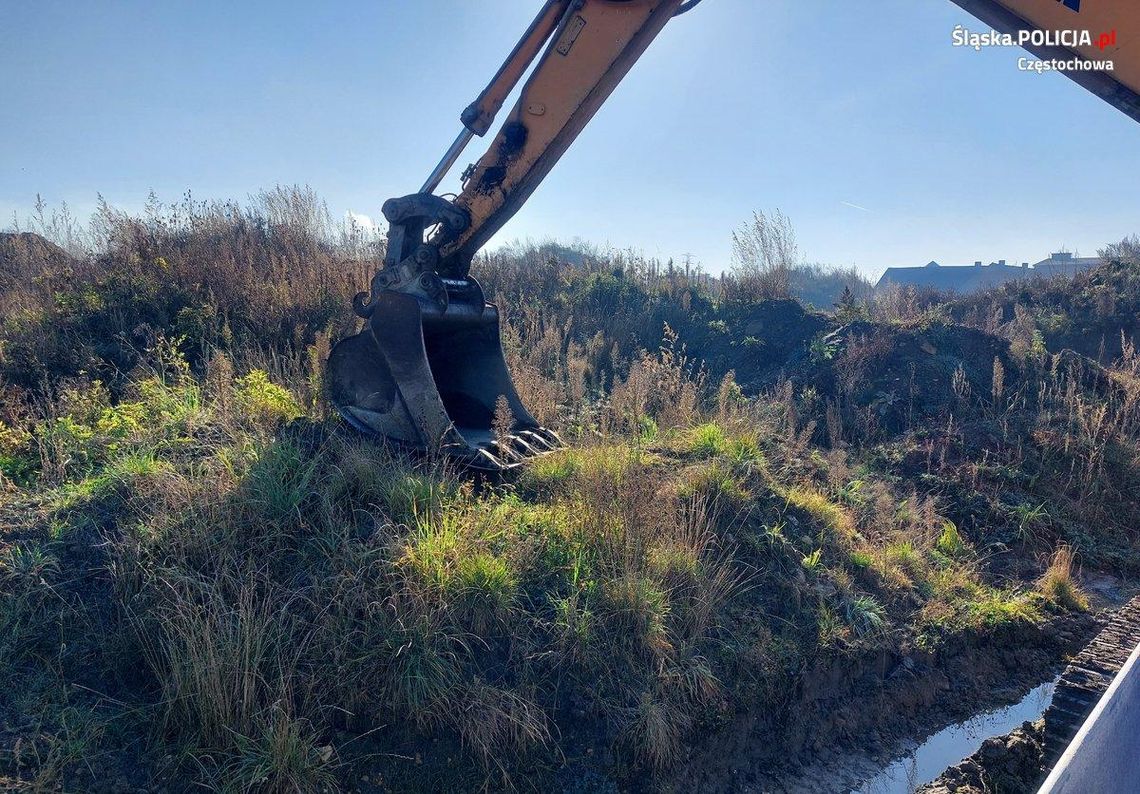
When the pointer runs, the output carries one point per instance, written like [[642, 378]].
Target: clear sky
[[883, 143]]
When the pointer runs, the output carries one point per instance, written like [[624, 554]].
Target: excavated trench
[[1002, 709], [950, 745], [1020, 759], [853, 723]]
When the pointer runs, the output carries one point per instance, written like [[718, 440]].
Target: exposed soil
[[1018, 761], [765, 341], [905, 374], [1009, 763], [25, 255], [849, 714]]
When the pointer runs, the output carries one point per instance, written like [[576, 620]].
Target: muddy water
[[950, 745]]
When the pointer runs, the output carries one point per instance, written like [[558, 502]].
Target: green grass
[[866, 616], [309, 579], [1059, 582], [284, 755], [813, 562], [1003, 607], [949, 541], [718, 483], [264, 399], [706, 441], [488, 586], [26, 565], [281, 605], [637, 608], [433, 552], [278, 483], [831, 517], [552, 470]]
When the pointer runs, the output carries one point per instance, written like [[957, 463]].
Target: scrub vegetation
[[207, 579]]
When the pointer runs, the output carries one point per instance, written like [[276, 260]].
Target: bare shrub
[[666, 387], [1126, 249], [997, 388], [834, 424], [764, 252], [503, 421]]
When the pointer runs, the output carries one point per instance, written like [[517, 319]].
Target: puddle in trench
[[954, 743]]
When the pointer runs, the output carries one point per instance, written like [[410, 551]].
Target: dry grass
[[1059, 582], [764, 254], [263, 585]]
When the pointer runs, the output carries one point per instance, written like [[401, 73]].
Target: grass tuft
[[950, 541], [831, 516], [706, 441], [1059, 582]]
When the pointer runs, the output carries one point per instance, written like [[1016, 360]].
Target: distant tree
[[849, 308], [1128, 248], [822, 285], [845, 307]]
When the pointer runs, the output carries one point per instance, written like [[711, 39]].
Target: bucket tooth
[[537, 441], [549, 434], [485, 460], [508, 453], [522, 447]]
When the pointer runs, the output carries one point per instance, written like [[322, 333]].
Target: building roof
[[1067, 262], [967, 278]]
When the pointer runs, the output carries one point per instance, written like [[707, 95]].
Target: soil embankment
[[850, 712], [1020, 760]]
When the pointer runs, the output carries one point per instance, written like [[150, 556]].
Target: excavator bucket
[[430, 374], [428, 368]]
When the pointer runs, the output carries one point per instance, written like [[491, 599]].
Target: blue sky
[[883, 143]]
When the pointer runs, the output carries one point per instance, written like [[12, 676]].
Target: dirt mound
[[1018, 761], [760, 340], [891, 377], [25, 255], [874, 703], [1087, 313], [1009, 763]]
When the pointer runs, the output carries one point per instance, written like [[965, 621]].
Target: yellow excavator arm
[[428, 369], [589, 46], [593, 46]]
